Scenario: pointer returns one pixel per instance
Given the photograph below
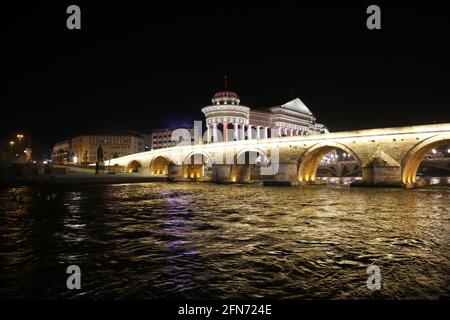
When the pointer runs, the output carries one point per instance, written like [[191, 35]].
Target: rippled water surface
[[163, 240]]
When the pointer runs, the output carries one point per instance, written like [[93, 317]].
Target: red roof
[[226, 94]]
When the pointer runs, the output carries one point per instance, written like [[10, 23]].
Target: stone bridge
[[387, 156]]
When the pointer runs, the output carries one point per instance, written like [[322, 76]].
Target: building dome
[[222, 94], [225, 97]]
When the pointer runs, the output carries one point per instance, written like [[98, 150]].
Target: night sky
[[143, 67]]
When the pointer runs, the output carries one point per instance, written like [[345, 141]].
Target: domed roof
[[226, 94], [225, 97]]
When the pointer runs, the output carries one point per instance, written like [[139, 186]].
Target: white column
[[225, 131], [291, 132], [236, 131], [258, 132], [242, 131], [208, 133], [214, 132], [249, 132], [266, 132]]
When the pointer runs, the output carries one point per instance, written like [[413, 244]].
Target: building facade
[[225, 112], [162, 138], [62, 152], [83, 149]]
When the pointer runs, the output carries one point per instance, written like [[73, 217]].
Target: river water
[[203, 241]]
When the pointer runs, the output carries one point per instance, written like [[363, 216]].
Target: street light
[[11, 143], [20, 136]]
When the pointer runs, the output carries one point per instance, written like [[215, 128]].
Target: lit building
[[290, 119], [61, 152], [83, 149], [162, 138]]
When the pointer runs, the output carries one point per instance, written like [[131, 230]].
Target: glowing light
[[192, 175], [11, 143], [44, 162], [198, 175], [434, 151], [233, 179], [75, 159]]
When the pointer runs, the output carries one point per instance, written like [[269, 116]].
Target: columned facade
[[239, 122]]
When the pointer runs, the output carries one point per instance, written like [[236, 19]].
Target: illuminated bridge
[[388, 156]]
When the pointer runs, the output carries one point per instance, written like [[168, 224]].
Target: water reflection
[[212, 241]]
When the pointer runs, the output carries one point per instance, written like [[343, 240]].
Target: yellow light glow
[[192, 175]]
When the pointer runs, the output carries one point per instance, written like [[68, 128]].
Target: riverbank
[[79, 179]]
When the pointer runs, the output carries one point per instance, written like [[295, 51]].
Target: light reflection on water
[[198, 240]]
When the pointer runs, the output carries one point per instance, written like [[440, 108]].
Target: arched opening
[[159, 165], [197, 166], [134, 166], [247, 166], [334, 163], [427, 160]]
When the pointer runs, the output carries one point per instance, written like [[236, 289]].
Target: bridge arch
[[310, 159], [208, 156], [159, 165], [411, 161], [133, 166], [197, 165], [247, 164], [238, 158]]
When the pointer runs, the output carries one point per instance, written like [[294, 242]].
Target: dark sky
[[142, 67]]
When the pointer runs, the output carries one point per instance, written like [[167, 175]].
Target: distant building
[[290, 119], [61, 152], [228, 120], [83, 149], [162, 138]]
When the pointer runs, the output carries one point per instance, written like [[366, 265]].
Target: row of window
[[110, 140]]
